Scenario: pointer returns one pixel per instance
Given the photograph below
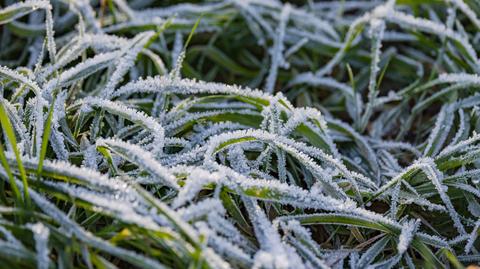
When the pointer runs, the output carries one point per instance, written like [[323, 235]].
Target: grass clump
[[239, 134]]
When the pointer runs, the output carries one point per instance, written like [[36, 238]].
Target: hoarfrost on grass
[[273, 136]]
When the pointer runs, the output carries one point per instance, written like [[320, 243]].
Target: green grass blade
[[46, 136], [8, 129]]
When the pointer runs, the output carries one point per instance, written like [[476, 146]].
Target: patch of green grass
[[239, 134]]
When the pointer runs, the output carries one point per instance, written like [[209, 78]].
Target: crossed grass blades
[[126, 142]]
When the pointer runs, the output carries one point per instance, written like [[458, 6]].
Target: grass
[[239, 134]]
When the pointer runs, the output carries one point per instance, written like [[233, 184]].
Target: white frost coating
[[277, 50], [133, 115], [327, 68], [296, 47], [115, 203], [311, 79], [425, 25], [207, 145], [91, 177], [41, 234], [359, 140], [224, 227], [467, 11], [376, 143], [429, 168], [24, 8], [461, 127], [84, 236], [440, 131], [142, 158], [81, 70], [90, 157], [166, 84], [194, 184], [299, 116], [123, 6], [14, 75], [177, 49], [280, 192], [379, 13], [193, 117], [395, 198], [84, 7], [57, 138], [285, 145], [462, 78], [9, 235], [472, 237], [200, 209], [52, 49], [128, 55], [377, 29], [461, 146], [273, 253], [408, 232], [222, 246]]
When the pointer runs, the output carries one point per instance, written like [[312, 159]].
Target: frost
[[128, 54], [41, 234], [462, 78], [143, 158], [473, 236], [273, 253], [408, 232], [14, 75], [440, 131], [436, 177], [278, 48], [311, 79], [133, 115], [52, 49], [297, 46], [84, 236], [81, 70], [9, 236], [350, 120], [468, 12], [405, 20], [377, 29], [20, 9]]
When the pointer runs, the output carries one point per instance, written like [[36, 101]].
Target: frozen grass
[[239, 134]]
